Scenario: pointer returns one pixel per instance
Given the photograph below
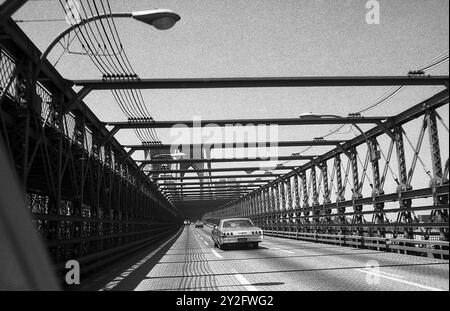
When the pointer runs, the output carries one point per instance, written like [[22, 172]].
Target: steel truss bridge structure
[[92, 201]]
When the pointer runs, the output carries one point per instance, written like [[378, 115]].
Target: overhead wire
[[103, 46]]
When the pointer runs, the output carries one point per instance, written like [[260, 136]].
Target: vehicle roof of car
[[226, 219]]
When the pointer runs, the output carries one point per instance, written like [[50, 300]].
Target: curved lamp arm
[[78, 25], [160, 18]]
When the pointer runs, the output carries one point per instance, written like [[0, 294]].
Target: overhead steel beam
[[246, 182], [234, 145], [182, 188], [146, 123], [213, 201], [205, 192], [9, 7], [217, 160], [181, 203], [218, 177], [205, 197], [204, 83], [223, 169]]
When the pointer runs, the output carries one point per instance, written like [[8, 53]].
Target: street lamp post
[[161, 19]]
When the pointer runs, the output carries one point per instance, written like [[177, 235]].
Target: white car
[[233, 231]]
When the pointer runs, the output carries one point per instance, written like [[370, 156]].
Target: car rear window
[[242, 223]]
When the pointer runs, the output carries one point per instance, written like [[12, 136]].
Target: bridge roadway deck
[[192, 263]]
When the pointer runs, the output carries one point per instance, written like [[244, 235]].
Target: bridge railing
[[439, 249]]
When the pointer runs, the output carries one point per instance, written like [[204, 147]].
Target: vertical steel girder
[[289, 206], [296, 192], [357, 208], [437, 178], [340, 194], [404, 181], [305, 197], [434, 145], [326, 191], [377, 190], [315, 194], [289, 193], [266, 200]]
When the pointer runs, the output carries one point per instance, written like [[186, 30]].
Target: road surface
[[191, 263]]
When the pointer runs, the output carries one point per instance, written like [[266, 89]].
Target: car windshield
[[240, 223]]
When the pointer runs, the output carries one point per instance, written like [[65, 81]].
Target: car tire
[[256, 245]]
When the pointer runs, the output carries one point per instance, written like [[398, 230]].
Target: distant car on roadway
[[234, 231], [199, 224], [187, 222]]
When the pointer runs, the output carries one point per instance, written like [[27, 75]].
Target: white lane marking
[[385, 273], [206, 243], [216, 254], [245, 282], [282, 250], [397, 279], [126, 273]]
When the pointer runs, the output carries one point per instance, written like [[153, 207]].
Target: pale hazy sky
[[236, 38]]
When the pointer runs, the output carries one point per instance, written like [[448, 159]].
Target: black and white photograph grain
[[213, 154]]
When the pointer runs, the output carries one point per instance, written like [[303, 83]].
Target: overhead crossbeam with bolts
[[242, 182], [182, 188], [218, 177], [222, 169], [252, 82], [209, 191], [205, 197], [147, 123], [217, 160], [235, 145]]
